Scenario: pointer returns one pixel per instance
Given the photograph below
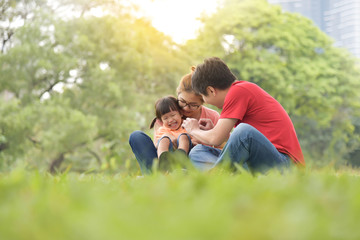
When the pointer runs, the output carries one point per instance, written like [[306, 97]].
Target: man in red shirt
[[264, 136]]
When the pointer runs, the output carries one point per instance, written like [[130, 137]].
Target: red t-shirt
[[250, 104]]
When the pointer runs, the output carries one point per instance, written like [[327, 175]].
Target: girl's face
[[190, 104], [172, 120]]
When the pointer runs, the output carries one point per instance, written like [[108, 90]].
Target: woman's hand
[[206, 124]]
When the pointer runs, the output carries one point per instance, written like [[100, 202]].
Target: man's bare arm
[[215, 136]]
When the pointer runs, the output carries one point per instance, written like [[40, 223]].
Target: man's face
[[212, 100]]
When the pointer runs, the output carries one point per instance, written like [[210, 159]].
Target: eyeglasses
[[191, 106]]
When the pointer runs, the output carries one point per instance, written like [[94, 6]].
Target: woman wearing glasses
[[192, 106]]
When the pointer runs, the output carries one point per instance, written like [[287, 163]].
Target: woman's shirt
[[208, 113]]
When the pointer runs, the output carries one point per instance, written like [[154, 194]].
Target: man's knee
[[196, 150], [243, 130]]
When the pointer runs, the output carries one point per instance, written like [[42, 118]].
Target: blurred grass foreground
[[217, 205]]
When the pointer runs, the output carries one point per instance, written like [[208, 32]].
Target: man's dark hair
[[212, 72]]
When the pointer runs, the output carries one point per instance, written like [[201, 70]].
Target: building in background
[[340, 19]]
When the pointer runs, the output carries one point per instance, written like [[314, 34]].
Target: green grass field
[[218, 205]]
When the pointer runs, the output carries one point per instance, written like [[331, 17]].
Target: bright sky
[[176, 18]]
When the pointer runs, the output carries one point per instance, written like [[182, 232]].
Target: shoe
[[164, 161], [180, 151]]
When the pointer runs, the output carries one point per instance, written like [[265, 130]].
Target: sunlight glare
[[176, 18]]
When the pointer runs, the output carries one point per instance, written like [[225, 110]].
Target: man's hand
[[215, 136], [191, 124], [206, 124]]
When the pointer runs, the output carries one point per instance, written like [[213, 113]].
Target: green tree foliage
[[78, 85], [14, 13], [288, 56], [15, 131]]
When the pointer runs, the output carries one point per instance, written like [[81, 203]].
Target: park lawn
[[322, 204]]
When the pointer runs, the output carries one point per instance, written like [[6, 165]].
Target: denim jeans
[[246, 147], [145, 151], [204, 157]]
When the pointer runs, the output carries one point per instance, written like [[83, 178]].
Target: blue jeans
[[246, 147], [204, 157], [145, 150]]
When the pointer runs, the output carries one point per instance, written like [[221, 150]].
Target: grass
[[218, 205]]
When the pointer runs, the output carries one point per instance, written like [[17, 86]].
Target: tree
[[13, 15], [81, 84]]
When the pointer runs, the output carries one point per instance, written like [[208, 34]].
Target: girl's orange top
[[162, 130]]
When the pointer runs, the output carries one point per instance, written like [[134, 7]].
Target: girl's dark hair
[[212, 72], [163, 106]]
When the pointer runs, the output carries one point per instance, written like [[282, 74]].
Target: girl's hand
[[206, 124]]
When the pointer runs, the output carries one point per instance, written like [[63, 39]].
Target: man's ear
[[211, 90]]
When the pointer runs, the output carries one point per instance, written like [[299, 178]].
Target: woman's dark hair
[[212, 72], [163, 106]]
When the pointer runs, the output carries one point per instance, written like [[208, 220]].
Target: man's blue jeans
[[246, 147], [204, 157]]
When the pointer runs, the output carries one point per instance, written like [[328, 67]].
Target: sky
[[176, 18]]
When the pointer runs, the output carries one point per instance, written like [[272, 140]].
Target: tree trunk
[[55, 164]]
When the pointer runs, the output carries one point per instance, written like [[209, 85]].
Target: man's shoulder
[[243, 84], [238, 87], [243, 87]]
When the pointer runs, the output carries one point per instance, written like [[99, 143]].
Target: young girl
[[171, 135]]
